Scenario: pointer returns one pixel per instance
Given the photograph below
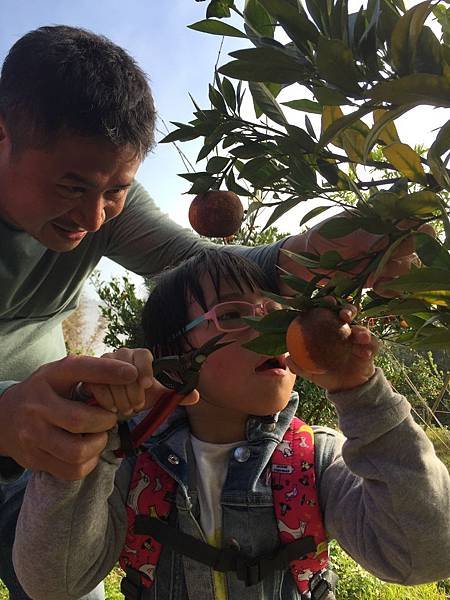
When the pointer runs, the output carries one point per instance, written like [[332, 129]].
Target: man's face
[[61, 193]]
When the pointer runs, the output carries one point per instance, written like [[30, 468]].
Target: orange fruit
[[217, 213], [318, 341]]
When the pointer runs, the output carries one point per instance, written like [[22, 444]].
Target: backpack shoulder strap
[[296, 501], [151, 494]]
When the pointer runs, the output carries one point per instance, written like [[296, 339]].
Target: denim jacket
[[248, 519]]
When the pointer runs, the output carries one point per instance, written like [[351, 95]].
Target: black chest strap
[[249, 570]]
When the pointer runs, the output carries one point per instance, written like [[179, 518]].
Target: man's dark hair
[[60, 79], [166, 312]]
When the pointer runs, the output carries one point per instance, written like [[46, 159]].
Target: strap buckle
[[248, 571], [322, 585]]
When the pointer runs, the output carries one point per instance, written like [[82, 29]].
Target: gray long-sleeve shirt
[[384, 494]]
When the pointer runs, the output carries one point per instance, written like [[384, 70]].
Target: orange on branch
[[217, 213], [318, 341]]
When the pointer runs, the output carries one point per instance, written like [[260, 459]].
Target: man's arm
[[386, 498], [145, 240]]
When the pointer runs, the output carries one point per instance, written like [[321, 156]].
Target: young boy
[[380, 491]]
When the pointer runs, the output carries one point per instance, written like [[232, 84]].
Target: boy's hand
[[354, 364], [138, 395]]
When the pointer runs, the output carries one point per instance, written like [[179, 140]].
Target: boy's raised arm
[[386, 499], [70, 533]]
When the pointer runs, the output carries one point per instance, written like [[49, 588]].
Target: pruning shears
[[180, 374]]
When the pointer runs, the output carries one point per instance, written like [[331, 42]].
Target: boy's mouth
[[273, 362]]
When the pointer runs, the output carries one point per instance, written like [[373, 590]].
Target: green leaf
[[313, 213], [265, 64], [182, 134], [353, 141], [418, 204], [397, 306], [327, 96], [202, 184], [297, 284], [229, 93], [266, 102], [336, 64], [294, 20], [300, 138], [302, 258], [383, 129], [247, 71], [235, 187], [275, 322], [261, 171], [421, 280], [304, 105], [259, 19], [217, 100], [191, 177], [270, 344], [439, 339], [338, 227], [331, 132], [250, 150], [217, 28], [330, 259], [421, 88], [219, 8], [438, 297], [209, 145], [406, 161], [429, 54], [440, 145], [281, 209], [405, 36], [216, 164], [431, 252]]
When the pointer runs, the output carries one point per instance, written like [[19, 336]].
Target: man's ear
[[4, 134], [3, 130]]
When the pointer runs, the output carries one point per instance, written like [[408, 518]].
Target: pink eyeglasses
[[229, 316]]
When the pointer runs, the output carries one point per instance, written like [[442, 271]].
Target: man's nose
[[91, 215]]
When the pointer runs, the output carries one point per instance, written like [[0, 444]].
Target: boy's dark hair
[[166, 312], [60, 79]]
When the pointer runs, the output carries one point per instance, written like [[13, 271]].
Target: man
[[76, 119]]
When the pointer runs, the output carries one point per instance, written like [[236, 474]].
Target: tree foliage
[[350, 76]]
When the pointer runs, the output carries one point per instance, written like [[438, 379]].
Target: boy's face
[[61, 193], [235, 382]]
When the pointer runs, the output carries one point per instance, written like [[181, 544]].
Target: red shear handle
[[164, 406]]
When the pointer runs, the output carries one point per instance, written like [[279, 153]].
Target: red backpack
[[299, 519]]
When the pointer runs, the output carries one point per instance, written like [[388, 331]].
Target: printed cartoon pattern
[[295, 499], [150, 487], [294, 495]]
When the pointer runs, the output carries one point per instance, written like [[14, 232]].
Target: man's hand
[[141, 394], [43, 429], [355, 244]]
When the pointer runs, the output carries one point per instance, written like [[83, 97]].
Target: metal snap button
[[268, 427], [173, 459], [242, 453], [234, 544]]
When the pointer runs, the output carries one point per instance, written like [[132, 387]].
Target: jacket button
[[233, 544], [173, 459], [242, 453]]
